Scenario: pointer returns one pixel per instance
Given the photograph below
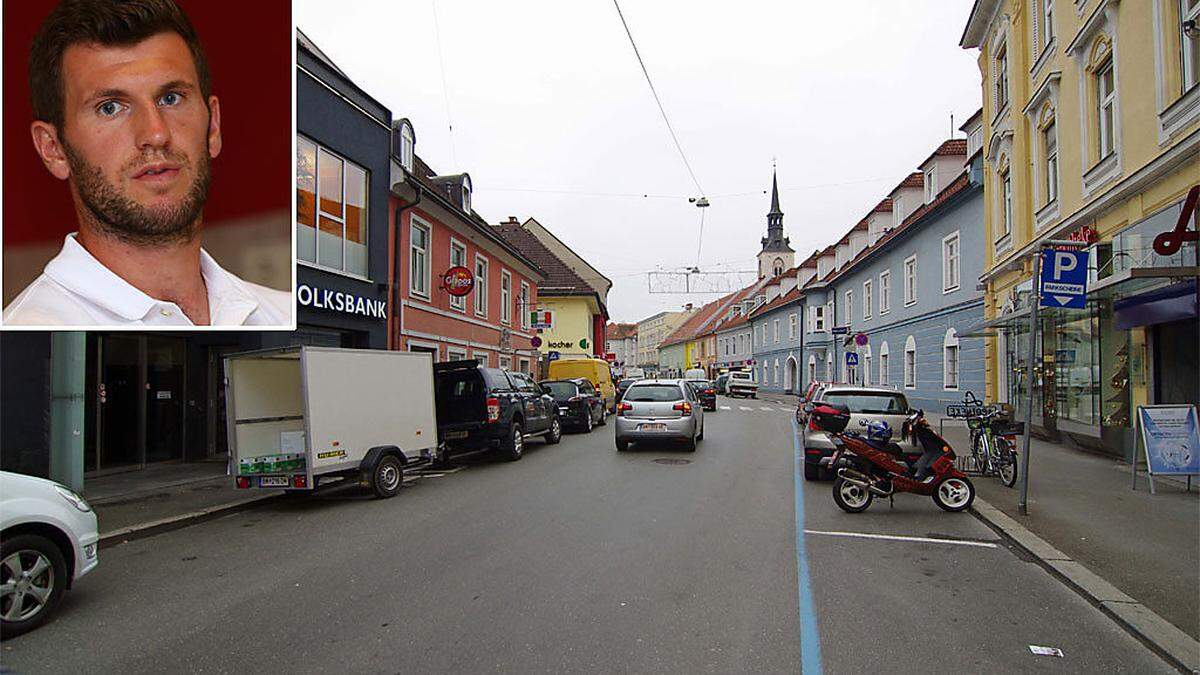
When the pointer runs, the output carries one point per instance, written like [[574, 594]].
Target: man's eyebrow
[[173, 85]]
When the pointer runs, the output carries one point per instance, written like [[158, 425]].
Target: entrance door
[[165, 395], [140, 400], [120, 399]]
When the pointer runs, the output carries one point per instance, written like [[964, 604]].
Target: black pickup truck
[[481, 408]]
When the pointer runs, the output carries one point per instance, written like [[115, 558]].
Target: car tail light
[[300, 481], [710, 391], [493, 409], [812, 424], [623, 407], [685, 407], [243, 482]]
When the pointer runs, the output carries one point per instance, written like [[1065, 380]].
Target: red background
[[249, 51]]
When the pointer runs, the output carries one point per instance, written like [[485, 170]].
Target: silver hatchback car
[[659, 410]]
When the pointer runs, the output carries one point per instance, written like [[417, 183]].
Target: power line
[[437, 32], [657, 99]]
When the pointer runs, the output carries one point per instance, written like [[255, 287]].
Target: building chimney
[[687, 307], [512, 220]]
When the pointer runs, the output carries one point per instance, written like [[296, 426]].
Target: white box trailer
[[301, 416]]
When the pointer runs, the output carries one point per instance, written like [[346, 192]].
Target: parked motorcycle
[[870, 464]]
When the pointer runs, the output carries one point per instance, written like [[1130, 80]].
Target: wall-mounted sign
[[552, 356], [338, 301], [541, 319], [1169, 243], [458, 281], [1085, 234]]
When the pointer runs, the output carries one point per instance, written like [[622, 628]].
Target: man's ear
[[214, 127], [50, 149]]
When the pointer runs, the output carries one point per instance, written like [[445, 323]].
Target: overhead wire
[[437, 32]]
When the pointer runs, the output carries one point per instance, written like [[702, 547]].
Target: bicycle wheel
[[1006, 464], [979, 452]]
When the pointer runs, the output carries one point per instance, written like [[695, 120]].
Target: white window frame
[[482, 358], [819, 319], [456, 353], [910, 363], [897, 210], [414, 277], [931, 184], [868, 299], [408, 142], [505, 297], [775, 330], [523, 302], [481, 285], [466, 194], [1106, 100], [885, 292], [793, 325], [1050, 157], [1049, 32], [458, 302], [883, 364], [848, 298], [505, 361], [910, 281], [951, 361], [1005, 203], [1000, 86], [951, 262]]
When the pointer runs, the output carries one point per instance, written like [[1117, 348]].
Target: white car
[[48, 539]]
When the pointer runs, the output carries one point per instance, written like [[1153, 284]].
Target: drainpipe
[[68, 358], [398, 261]]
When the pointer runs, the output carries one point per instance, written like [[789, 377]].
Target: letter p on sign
[[1064, 262]]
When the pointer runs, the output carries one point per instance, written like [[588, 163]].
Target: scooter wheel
[[850, 497], [954, 494]]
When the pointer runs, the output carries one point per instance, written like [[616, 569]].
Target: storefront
[[1136, 343]]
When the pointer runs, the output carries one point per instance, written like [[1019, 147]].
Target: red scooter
[[869, 467]]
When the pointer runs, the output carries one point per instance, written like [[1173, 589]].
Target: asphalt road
[[580, 559]]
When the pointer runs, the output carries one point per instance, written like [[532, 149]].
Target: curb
[[152, 527], [1176, 646]]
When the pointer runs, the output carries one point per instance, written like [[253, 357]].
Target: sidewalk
[[1081, 504]]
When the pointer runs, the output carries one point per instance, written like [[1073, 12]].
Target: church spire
[[775, 241], [775, 195]]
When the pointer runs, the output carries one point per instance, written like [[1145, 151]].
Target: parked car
[[721, 384], [695, 374], [596, 371], [48, 540], [481, 408], [705, 392], [865, 404], [659, 410], [579, 404], [624, 385], [741, 383]]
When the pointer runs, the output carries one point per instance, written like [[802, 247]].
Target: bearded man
[[124, 112]]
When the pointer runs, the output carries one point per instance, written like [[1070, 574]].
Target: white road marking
[[725, 407], [893, 537], [767, 409], [744, 407]]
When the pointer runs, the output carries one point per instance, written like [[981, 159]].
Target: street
[[582, 559]]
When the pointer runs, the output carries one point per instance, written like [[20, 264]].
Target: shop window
[[331, 209], [885, 291], [481, 286], [458, 258], [910, 363], [505, 297], [418, 259], [950, 360]]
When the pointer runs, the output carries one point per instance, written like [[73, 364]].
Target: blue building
[[902, 282]]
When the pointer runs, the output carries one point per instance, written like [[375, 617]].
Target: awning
[[1174, 302], [989, 327]]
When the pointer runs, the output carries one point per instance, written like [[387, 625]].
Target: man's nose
[[151, 128]]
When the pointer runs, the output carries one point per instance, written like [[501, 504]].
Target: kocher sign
[[337, 301]]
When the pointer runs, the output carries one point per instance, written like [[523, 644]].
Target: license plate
[[452, 435], [656, 426], [273, 481]]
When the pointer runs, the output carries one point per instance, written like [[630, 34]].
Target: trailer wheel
[[387, 477]]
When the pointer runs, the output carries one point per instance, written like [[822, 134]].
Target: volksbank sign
[[337, 301]]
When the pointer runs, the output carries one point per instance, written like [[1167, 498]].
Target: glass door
[[119, 402], [165, 391]]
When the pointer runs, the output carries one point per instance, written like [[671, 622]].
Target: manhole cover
[[672, 461]]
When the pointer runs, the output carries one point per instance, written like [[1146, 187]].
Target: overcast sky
[[553, 118]]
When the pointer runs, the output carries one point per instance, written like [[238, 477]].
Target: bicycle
[[993, 442]]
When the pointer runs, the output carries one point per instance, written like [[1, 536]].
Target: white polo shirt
[[76, 290]]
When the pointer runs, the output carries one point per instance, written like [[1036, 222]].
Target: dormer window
[[931, 187], [408, 143], [466, 193], [897, 210]]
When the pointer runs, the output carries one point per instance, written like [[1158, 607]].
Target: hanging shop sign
[[458, 281], [340, 301], [541, 319], [1064, 278], [1169, 243], [1086, 234]]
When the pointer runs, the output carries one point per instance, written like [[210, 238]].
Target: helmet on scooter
[[879, 430]]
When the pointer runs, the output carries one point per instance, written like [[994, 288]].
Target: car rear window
[[654, 393], [868, 402], [626, 383], [560, 390], [701, 384]]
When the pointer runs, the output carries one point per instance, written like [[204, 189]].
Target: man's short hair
[[106, 22]]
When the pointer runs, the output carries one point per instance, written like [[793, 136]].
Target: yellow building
[[1090, 131], [573, 329]]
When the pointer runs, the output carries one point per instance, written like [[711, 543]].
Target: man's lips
[[157, 172]]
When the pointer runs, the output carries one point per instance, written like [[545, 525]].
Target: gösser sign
[[337, 301]]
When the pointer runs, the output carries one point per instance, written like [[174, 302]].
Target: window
[[819, 318], [793, 324], [897, 210], [775, 329], [910, 364], [481, 358], [458, 258], [849, 308], [777, 267], [418, 258], [950, 274], [867, 299], [1050, 143], [931, 186], [523, 365], [1189, 10], [1048, 31], [777, 372], [1106, 100], [523, 305], [866, 361], [505, 296], [950, 360], [466, 193], [408, 141], [885, 291], [883, 364], [910, 281], [1001, 84], [506, 362], [453, 354], [829, 374], [812, 369], [331, 209], [481, 286], [1005, 204]]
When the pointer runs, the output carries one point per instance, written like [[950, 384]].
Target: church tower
[[776, 256]]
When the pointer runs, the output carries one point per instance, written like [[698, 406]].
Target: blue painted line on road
[[810, 638]]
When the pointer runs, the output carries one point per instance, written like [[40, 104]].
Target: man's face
[[137, 137]]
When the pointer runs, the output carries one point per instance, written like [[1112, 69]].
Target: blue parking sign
[[1064, 278]]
